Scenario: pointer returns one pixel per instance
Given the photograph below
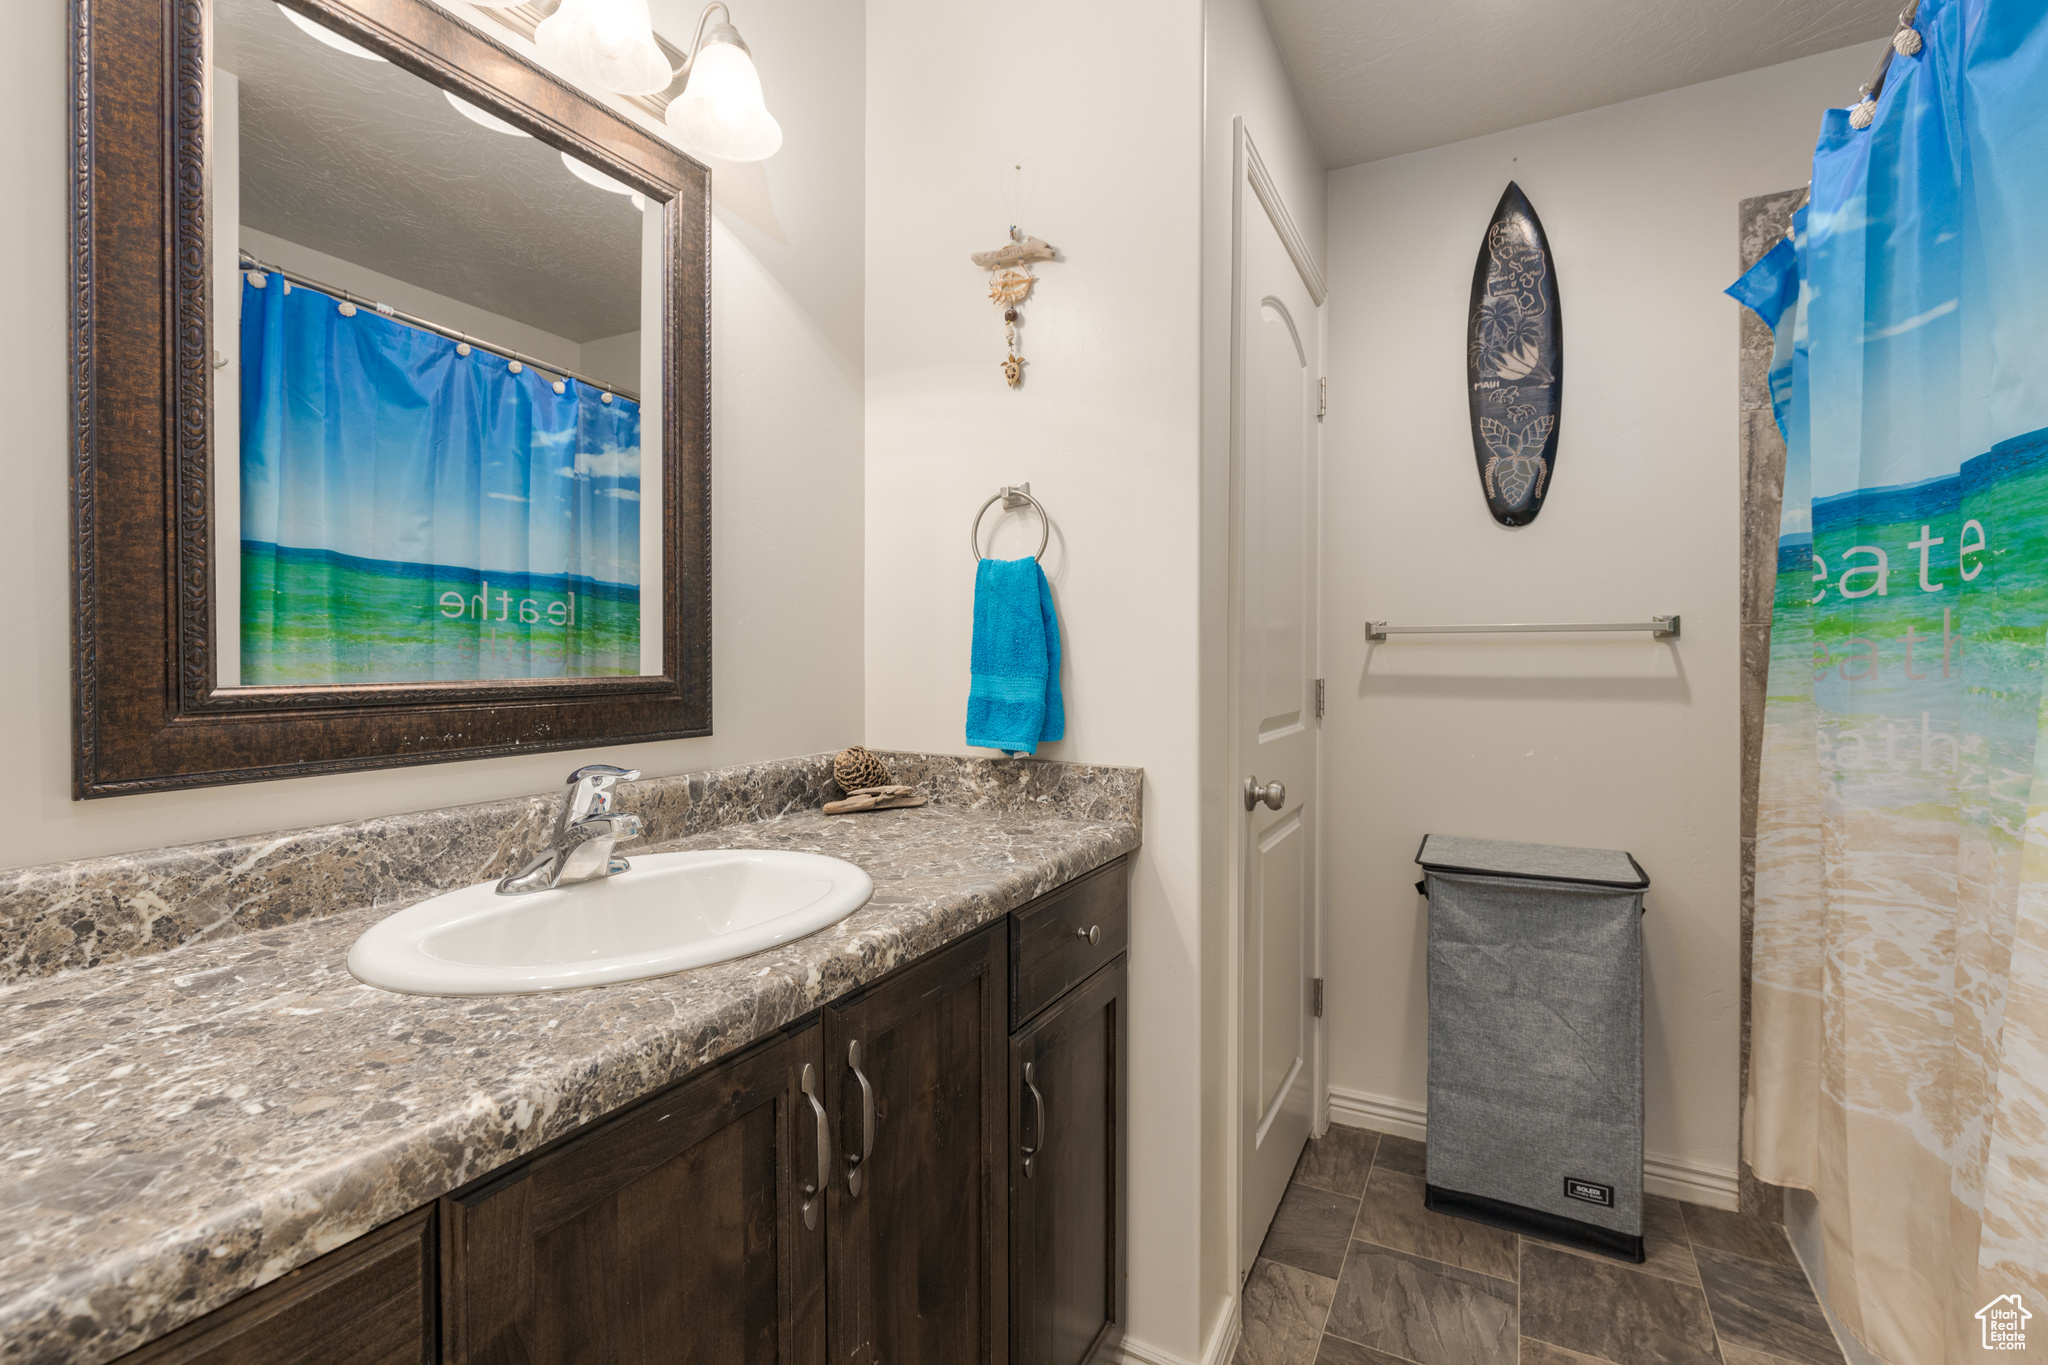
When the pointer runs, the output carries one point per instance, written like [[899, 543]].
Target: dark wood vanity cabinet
[[1067, 1175], [917, 1068], [928, 1172], [368, 1303], [688, 1231], [1068, 1081]]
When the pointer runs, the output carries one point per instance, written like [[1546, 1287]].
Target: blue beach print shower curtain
[[414, 514], [1900, 973]]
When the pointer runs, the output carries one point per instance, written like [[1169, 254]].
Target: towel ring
[[1010, 498]]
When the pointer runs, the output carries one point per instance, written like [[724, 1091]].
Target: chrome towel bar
[[1663, 627]]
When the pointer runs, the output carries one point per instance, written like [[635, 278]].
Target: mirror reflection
[[430, 383]]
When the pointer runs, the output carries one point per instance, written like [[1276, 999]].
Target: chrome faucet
[[580, 849]]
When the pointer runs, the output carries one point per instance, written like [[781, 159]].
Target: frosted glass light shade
[[605, 44], [327, 36], [483, 117], [591, 175], [720, 111]]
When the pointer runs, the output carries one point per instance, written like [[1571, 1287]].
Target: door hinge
[[1320, 695], [1322, 398], [1319, 997]]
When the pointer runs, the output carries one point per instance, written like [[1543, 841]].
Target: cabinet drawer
[[1060, 939]]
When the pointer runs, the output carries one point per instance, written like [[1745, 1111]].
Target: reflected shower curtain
[[1900, 980], [411, 513]]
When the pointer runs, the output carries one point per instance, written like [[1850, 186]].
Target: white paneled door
[[1274, 661]]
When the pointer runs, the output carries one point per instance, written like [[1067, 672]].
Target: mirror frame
[[147, 715]]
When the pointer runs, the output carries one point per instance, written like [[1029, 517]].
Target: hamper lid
[[1531, 862]]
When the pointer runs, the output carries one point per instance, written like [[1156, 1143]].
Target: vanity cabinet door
[[918, 1213], [678, 1233], [1067, 1181]]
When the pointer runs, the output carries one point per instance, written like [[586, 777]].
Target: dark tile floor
[[1354, 1271]]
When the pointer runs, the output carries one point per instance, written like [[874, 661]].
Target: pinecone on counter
[[856, 768]]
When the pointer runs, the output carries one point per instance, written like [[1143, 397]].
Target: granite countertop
[[179, 1128]]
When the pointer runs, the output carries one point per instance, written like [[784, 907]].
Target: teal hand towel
[[1013, 698]]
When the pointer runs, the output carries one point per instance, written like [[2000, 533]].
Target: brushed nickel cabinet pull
[[1093, 933], [1038, 1102], [813, 1192], [855, 1172]]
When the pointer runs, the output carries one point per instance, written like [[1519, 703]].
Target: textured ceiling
[[370, 163], [1379, 78]]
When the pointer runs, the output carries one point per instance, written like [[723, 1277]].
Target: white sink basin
[[669, 912]]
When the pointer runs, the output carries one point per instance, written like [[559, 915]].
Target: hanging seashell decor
[[1009, 284]]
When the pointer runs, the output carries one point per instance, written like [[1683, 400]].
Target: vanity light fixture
[[483, 117], [720, 111], [590, 175], [605, 44], [327, 36]]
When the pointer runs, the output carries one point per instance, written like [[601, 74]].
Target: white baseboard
[[1223, 1336], [1692, 1182], [1222, 1344], [1136, 1352], [1357, 1109]]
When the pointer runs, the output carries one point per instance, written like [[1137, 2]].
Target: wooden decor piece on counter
[[875, 798], [856, 768]]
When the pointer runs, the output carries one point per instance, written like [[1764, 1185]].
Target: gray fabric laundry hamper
[[1536, 1039]]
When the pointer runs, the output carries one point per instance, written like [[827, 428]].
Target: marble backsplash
[[69, 916]]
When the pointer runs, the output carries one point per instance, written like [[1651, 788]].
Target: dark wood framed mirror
[[173, 684]]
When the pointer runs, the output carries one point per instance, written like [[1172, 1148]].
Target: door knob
[[1273, 794]]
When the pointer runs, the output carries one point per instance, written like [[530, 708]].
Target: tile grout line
[[1615, 1265], [1323, 1332], [1797, 1265], [1349, 1242], [1686, 1238], [1707, 1298], [1713, 1323], [1516, 1280]]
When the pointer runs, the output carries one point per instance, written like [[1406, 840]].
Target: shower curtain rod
[[541, 366], [1873, 87]]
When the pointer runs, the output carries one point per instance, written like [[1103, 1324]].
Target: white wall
[[616, 357], [786, 481], [1617, 742], [1245, 79], [1107, 129]]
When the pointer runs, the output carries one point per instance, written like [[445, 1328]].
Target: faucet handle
[[590, 789], [603, 771]]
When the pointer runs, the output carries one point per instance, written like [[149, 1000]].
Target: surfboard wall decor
[[1514, 365]]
